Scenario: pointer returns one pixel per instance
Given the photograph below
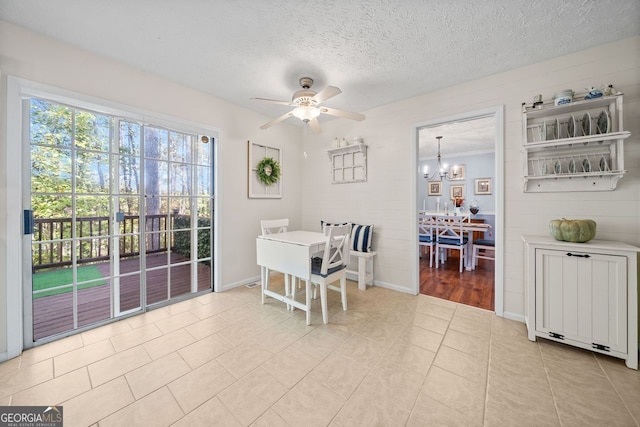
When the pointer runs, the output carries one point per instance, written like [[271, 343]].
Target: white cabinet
[[574, 147], [583, 294]]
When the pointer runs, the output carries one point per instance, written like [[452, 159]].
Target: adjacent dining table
[[290, 253], [467, 226]]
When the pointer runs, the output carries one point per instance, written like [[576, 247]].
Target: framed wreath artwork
[[265, 172]]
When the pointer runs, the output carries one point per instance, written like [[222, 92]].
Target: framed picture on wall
[[457, 191], [434, 188], [457, 172], [483, 186]]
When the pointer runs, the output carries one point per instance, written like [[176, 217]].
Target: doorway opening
[[459, 175]]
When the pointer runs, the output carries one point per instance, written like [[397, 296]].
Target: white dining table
[[290, 253], [468, 227]]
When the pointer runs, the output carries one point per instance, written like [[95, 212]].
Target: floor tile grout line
[[546, 372], [615, 389]]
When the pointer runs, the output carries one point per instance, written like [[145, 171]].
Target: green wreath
[[268, 171]]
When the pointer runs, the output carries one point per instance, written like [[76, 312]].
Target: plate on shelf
[[556, 130], [544, 168], [604, 122], [571, 127], [543, 132], [604, 166], [557, 167], [586, 165], [586, 124], [572, 166]]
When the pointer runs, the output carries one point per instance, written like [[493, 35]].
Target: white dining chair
[[483, 249], [426, 235], [450, 235], [332, 266], [273, 226]]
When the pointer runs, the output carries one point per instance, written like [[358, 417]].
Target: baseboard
[[240, 283], [514, 316], [4, 356], [393, 287]]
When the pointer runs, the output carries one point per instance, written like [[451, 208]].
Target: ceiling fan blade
[[326, 93], [341, 113], [272, 101], [314, 124], [278, 120]]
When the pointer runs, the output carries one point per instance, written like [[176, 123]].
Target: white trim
[[513, 316], [19, 88], [395, 287], [498, 113], [240, 283]]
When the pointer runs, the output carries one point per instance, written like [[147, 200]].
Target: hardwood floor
[[475, 288]]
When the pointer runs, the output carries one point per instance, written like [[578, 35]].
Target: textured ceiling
[[376, 51]]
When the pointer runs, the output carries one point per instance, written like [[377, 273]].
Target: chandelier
[[441, 172]]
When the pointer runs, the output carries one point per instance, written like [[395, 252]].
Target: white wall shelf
[[574, 147]]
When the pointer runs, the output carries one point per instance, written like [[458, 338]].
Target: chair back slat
[[274, 226], [450, 228], [336, 251]]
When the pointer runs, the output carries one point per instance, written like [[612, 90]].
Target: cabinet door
[[583, 297]]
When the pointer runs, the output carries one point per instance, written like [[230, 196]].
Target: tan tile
[[429, 412], [560, 357], [207, 310], [456, 392], [422, 337], [340, 373], [393, 382], [147, 318], [168, 343], [83, 356], [395, 318], [431, 323], [26, 377], [156, 374], [474, 313], [381, 332], [104, 332], [258, 387], [212, 409], [467, 343], [175, 322], [436, 310], [244, 358], [514, 406], [157, 409], [206, 327], [46, 351], [10, 367], [364, 351], [119, 364], [270, 419], [241, 331], [626, 382], [368, 408], [462, 364], [277, 338], [201, 384], [204, 350], [54, 391], [187, 305], [410, 356], [309, 403], [135, 337], [97, 403], [471, 326], [290, 365], [508, 328], [318, 344]]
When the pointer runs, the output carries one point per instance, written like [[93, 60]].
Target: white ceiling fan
[[307, 103]]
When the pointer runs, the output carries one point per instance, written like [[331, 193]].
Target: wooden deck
[[54, 314]]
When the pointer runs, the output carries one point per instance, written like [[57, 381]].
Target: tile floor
[[391, 360]]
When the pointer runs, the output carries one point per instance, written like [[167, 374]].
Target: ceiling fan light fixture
[[306, 113]]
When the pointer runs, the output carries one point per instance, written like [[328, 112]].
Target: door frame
[[18, 89], [498, 113]]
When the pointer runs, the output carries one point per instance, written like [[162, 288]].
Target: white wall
[[386, 198], [29, 56]]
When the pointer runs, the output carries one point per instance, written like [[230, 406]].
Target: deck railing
[[52, 247]]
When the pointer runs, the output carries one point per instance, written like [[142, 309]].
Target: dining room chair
[[483, 249], [451, 235], [273, 226], [332, 266], [426, 235]]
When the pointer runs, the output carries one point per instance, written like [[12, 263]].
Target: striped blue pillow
[[361, 237]]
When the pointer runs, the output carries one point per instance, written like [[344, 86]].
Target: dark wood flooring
[[54, 314], [474, 288]]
